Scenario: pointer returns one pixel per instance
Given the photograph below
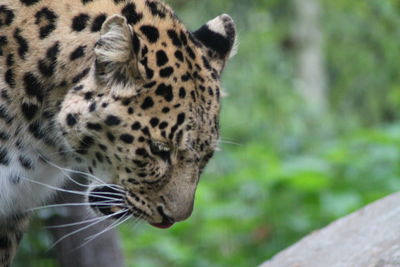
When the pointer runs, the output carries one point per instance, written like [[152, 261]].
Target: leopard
[[118, 90]]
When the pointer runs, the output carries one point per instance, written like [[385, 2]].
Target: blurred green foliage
[[281, 173]]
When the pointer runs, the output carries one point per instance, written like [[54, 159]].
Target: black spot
[[151, 33], [126, 138], [166, 110], [85, 144], [79, 22], [149, 85], [94, 126], [146, 131], [78, 52], [71, 120], [92, 107], [163, 125], [29, 2], [99, 157], [179, 55], [4, 136], [174, 38], [141, 152], [4, 159], [154, 122], [155, 9], [5, 242], [9, 78], [4, 115], [182, 92], [86, 1], [193, 95], [129, 11], [50, 17], [180, 119], [88, 95], [6, 16], [183, 38], [47, 66], [3, 42], [119, 1], [110, 137], [186, 77], [33, 87], [34, 129], [136, 126], [23, 46], [10, 60], [166, 72], [162, 58], [206, 63], [147, 103], [135, 43], [29, 110], [25, 162], [190, 52], [149, 72], [15, 179], [98, 22], [112, 120], [165, 91], [78, 88], [81, 75]]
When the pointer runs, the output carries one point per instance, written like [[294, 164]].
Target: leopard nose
[[181, 211]]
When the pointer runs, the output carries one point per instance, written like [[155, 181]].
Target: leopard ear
[[219, 37], [117, 53]]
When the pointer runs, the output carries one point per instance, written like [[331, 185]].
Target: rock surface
[[369, 237]]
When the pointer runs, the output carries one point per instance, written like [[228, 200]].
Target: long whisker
[[114, 186], [75, 223], [53, 187], [230, 142], [110, 227], [88, 226], [77, 204]]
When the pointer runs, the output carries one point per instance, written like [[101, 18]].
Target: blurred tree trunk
[[104, 251], [311, 77]]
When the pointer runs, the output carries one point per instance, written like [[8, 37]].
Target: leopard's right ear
[[220, 39], [117, 53]]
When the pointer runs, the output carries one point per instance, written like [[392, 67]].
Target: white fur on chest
[[22, 189]]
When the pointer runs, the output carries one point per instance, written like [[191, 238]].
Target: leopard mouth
[[109, 201], [167, 221]]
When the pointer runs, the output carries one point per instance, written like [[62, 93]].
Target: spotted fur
[[117, 88]]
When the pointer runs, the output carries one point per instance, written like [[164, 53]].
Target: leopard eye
[[160, 149]]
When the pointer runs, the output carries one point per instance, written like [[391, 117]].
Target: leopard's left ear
[[117, 57], [219, 38]]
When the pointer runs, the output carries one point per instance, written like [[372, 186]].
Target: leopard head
[[146, 119]]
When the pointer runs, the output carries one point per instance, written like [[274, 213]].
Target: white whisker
[[88, 226], [53, 187], [75, 223], [110, 227], [113, 186], [77, 204]]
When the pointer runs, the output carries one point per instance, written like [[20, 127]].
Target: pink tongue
[[162, 225]]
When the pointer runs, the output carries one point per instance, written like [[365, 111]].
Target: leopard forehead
[[168, 90]]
